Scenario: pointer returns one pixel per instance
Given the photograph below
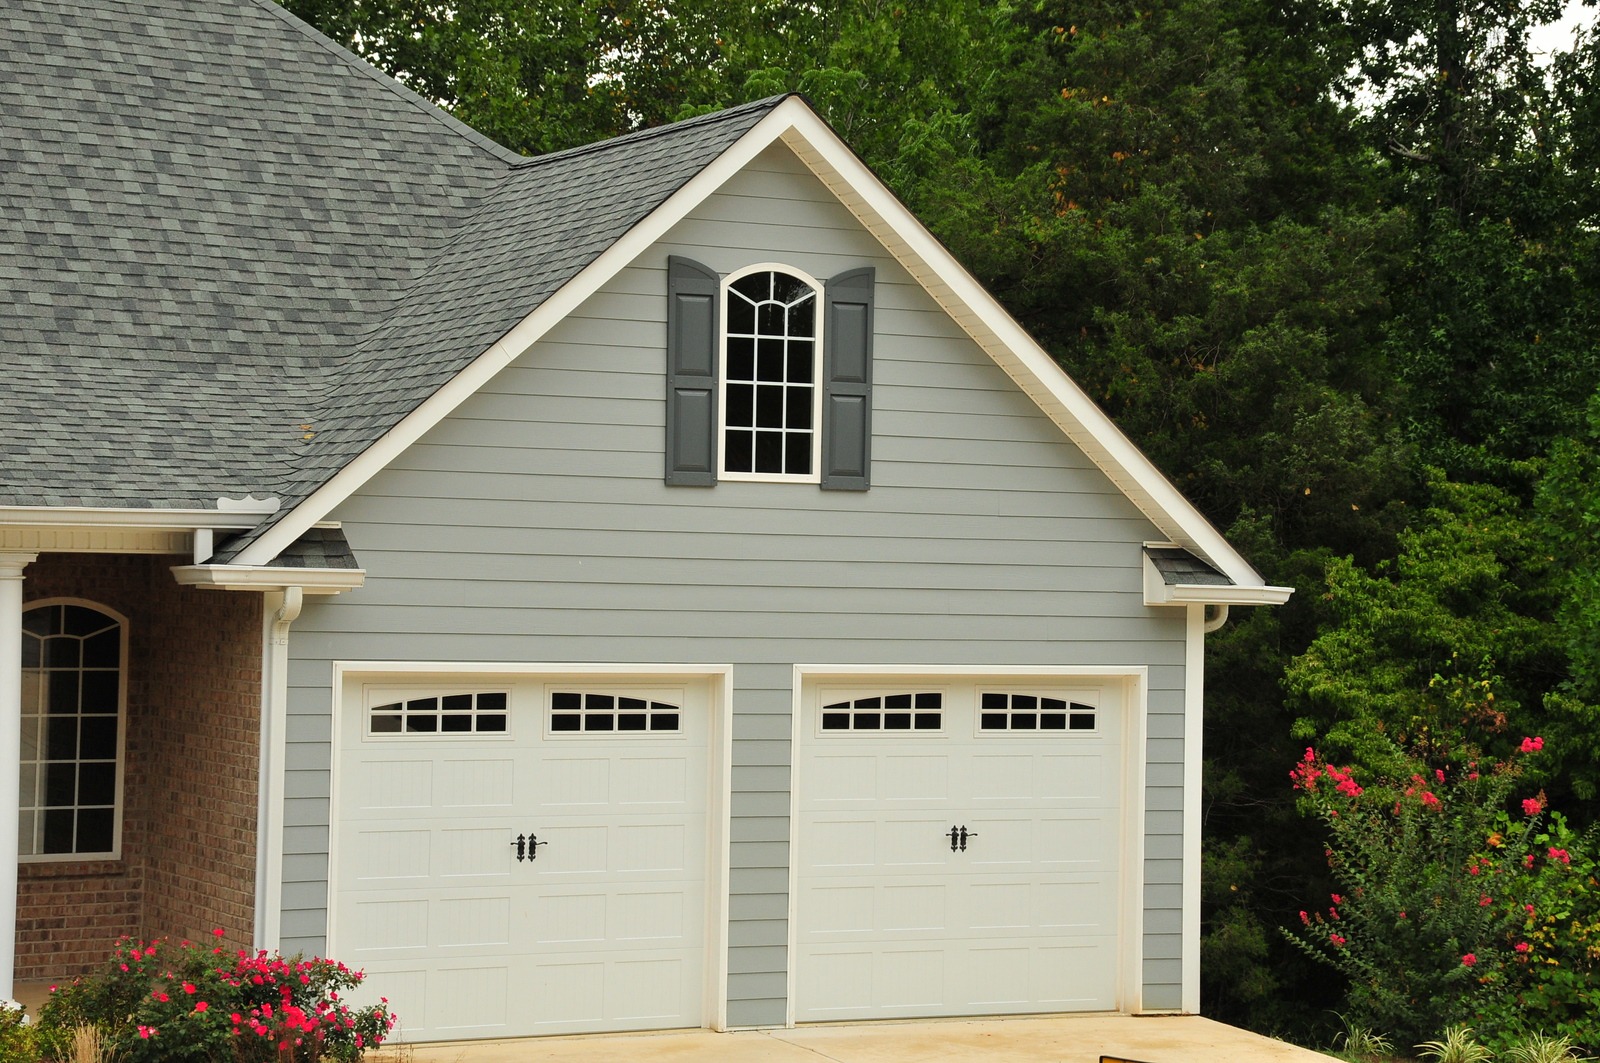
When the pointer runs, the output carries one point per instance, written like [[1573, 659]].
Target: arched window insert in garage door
[[886, 712], [475, 712], [573, 711], [1030, 712]]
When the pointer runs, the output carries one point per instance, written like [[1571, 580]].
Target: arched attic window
[[771, 402]]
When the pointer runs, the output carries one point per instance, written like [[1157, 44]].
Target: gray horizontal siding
[[533, 525]]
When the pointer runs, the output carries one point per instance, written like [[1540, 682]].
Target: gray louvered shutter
[[847, 393], [692, 323]]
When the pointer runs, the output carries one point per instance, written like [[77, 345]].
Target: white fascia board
[[523, 335], [96, 517], [927, 260], [1016, 352], [1210, 594], [270, 578]]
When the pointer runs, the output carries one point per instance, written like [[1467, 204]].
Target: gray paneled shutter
[[692, 323], [847, 393]]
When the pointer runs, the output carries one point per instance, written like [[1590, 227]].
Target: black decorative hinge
[[958, 838], [965, 836]]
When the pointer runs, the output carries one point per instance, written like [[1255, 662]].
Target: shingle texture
[[1179, 567], [232, 255]]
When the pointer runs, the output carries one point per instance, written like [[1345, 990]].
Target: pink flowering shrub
[[1425, 866], [1453, 908], [158, 1001]]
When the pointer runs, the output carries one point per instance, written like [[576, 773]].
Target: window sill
[[47, 869]]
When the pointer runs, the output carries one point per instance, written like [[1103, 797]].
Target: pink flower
[[1469, 959], [1304, 918], [1527, 861], [1485, 900], [217, 932], [1560, 854], [1429, 800], [1531, 806], [1532, 745], [1529, 907], [1523, 946], [1438, 773], [201, 1005], [188, 987], [1402, 915], [1337, 940], [1472, 869], [1336, 898], [147, 1032]]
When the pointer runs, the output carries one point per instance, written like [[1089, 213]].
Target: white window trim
[[119, 809], [818, 379]]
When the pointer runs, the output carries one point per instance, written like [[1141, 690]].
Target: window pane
[[835, 721], [32, 651], [755, 287], [769, 452], [97, 784], [60, 784], [564, 722], [798, 411], [631, 721], [897, 721], [597, 723], [801, 361], [28, 786], [866, 721], [664, 721], [769, 406], [770, 361], [42, 620], [57, 824], [386, 723], [741, 405], [491, 723], [798, 459], [94, 830], [599, 703], [566, 700], [100, 692], [741, 359], [103, 650], [76, 620], [803, 318], [1053, 721], [457, 723], [770, 319], [63, 696], [741, 316], [737, 451], [31, 726], [457, 703], [62, 651], [61, 738], [422, 724], [98, 738], [786, 288], [494, 701]]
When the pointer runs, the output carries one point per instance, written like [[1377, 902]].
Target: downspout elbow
[[1218, 618]]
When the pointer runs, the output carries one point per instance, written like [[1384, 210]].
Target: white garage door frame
[[1134, 683], [349, 677]]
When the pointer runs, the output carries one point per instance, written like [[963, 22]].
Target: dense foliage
[[1331, 263]]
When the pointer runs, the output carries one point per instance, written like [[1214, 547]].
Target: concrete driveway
[[1048, 1039]]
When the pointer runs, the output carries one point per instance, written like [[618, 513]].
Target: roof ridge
[[524, 162], [410, 96]]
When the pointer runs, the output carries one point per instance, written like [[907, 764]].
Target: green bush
[[158, 1002]]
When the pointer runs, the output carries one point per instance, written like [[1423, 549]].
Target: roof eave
[[270, 578]]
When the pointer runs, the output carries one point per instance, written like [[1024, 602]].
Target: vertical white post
[[11, 566], [1194, 686]]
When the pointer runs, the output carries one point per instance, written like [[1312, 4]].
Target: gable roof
[[245, 262]]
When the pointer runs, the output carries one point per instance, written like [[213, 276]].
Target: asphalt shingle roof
[[218, 228]]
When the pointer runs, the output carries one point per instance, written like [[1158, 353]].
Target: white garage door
[[959, 849], [524, 857]]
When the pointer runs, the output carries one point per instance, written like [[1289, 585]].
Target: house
[[650, 585]]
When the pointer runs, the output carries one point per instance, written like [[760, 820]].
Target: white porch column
[[11, 566]]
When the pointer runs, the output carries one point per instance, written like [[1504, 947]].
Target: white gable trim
[[973, 308]]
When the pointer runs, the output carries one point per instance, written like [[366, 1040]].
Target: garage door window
[[478, 712], [891, 712], [1029, 712], [590, 712]]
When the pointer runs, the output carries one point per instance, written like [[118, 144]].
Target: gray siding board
[[532, 526]]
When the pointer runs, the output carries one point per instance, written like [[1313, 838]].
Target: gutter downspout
[[1216, 620], [11, 566], [281, 609]]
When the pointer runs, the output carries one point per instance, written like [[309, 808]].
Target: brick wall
[[189, 806]]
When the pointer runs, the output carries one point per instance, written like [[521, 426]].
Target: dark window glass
[[739, 451], [632, 705], [1052, 705], [103, 650], [797, 413], [597, 723], [836, 721], [98, 738], [867, 721], [769, 363], [1052, 721], [79, 621], [741, 318], [1024, 721], [770, 319], [631, 721], [1024, 701], [897, 701], [930, 701], [798, 453], [32, 650], [869, 703], [993, 721], [63, 692], [599, 703], [769, 406], [456, 723], [564, 700], [897, 721], [564, 722], [386, 723], [97, 784], [994, 701], [802, 360], [741, 405], [61, 738], [456, 702], [60, 784], [62, 652], [755, 287], [422, 724], [94, 830], [58, 823], [664, 721], [491, 723], [928, 721], [1082, 721], [769, 452], [100, 692], [494, 701]]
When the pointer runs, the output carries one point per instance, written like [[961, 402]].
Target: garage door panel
[[600, 927], [894, 921]]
